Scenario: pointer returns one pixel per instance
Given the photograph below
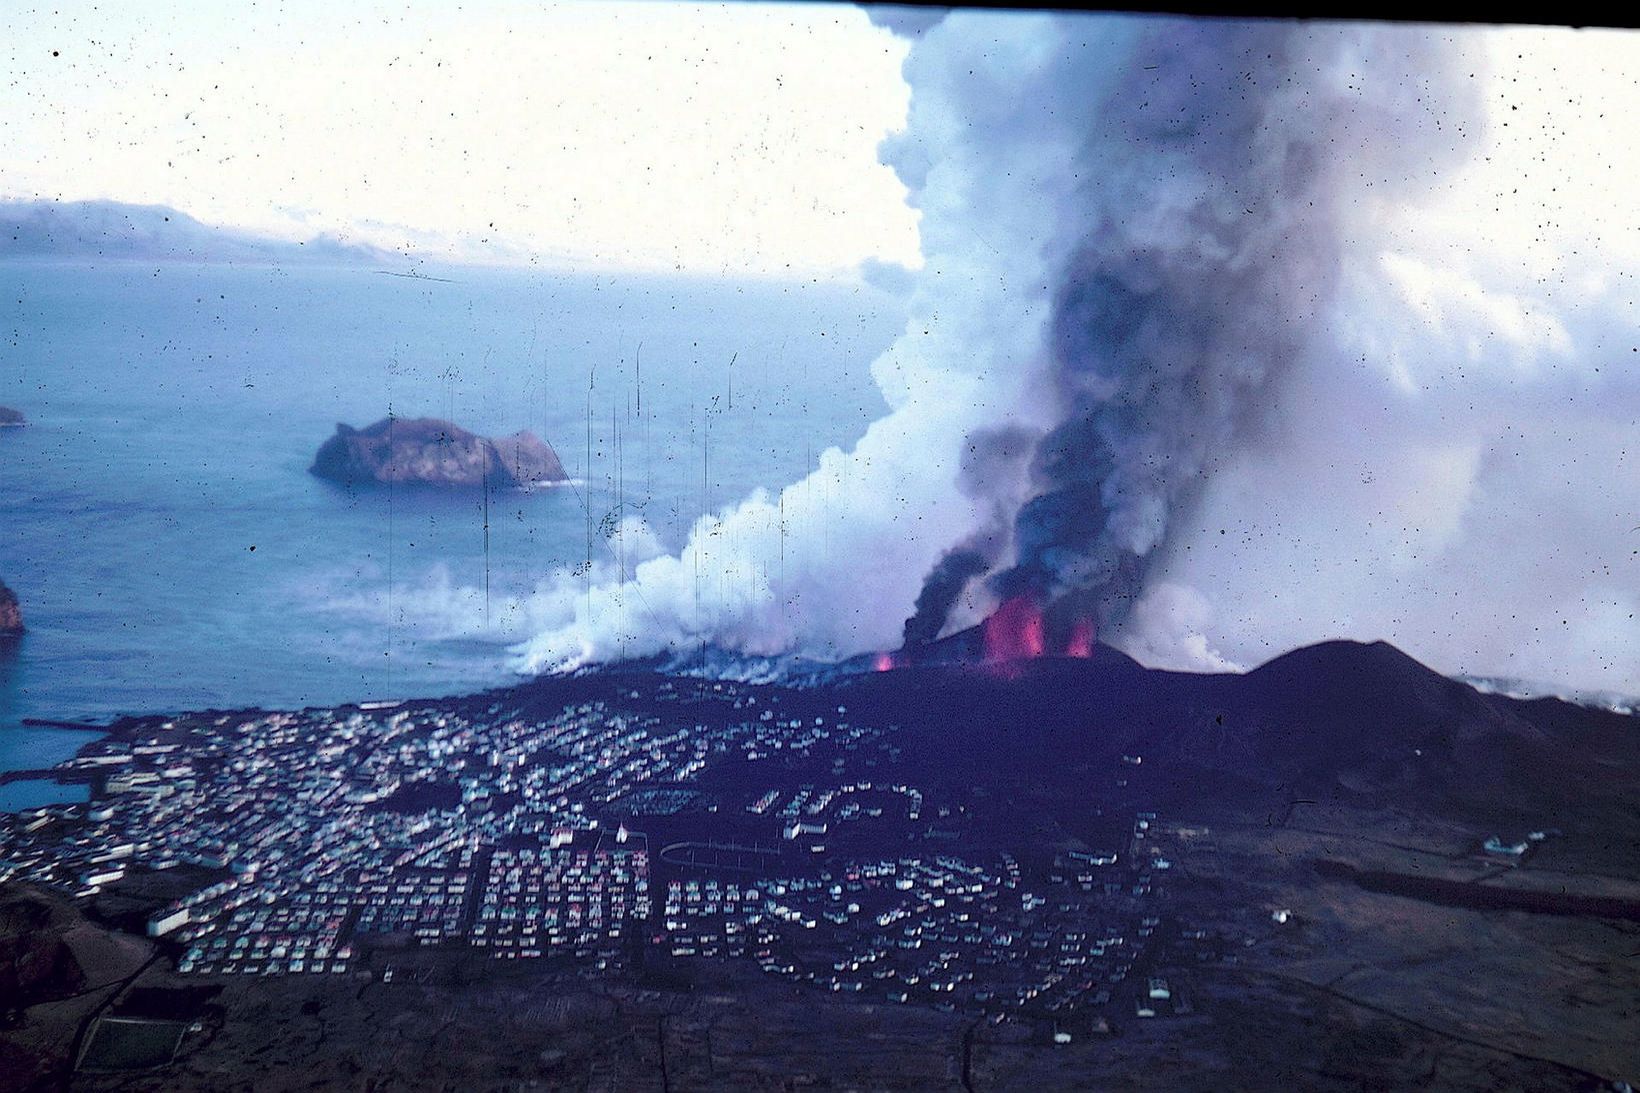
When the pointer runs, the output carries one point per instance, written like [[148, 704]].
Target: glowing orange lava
[[885, 661], [1014, 631], [1081, 641]]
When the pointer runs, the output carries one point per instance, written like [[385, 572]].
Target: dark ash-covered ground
[[1288, 802]]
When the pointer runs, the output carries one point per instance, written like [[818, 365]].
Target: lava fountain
[[1014, 631], [1081, 640]]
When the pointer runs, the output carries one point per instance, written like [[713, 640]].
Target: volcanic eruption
[[1206, 228], [1131, 230], [1014, 631], [1019, 629]]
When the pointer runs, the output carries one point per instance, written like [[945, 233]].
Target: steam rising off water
[[175, 410], [1132, 231], [1183, 279]]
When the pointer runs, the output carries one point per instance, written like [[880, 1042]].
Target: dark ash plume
[[940, 591], [1209, 243], [994, 460], [1130, 228]]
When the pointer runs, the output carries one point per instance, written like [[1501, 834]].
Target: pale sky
[[734, 138], [721, 139]]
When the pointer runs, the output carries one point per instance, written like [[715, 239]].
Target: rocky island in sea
[[430, 452], [11, 615], [8, 416]]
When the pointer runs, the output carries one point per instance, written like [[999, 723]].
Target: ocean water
[[171, 551]]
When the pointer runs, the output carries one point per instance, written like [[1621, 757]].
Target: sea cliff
[[431, 452]]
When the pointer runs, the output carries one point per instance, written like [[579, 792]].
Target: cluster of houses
[[577, 900], [311, 837], [937, 929], [310, 831]]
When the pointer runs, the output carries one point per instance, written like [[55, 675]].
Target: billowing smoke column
[[1207, 235], [1129, 227], [940, 591]]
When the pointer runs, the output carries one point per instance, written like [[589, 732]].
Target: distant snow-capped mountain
[[112, 229]]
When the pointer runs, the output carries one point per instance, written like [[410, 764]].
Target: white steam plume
[[832, 566], [1023, 181]]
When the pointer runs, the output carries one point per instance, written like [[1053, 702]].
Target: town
[[974, 875], [662, 823]]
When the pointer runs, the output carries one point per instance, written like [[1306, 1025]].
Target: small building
[[166, 921]]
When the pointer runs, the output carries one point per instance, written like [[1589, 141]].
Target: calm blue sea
[[171, 551]]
